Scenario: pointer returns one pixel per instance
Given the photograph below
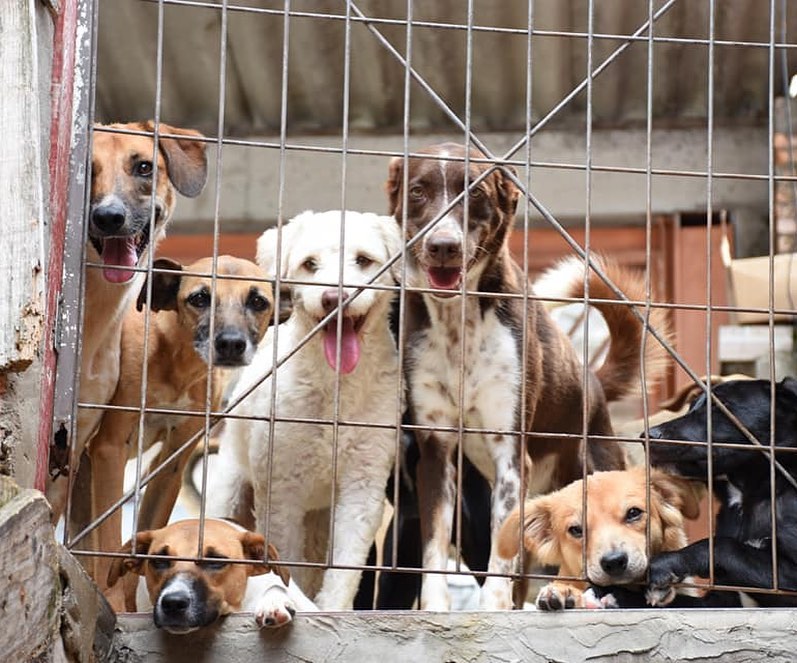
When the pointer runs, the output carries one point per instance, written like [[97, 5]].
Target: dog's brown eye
[[363, 261], [575, 531], [416, 192], [311, 265], [214, 565], [257, 302], [633, 514], [144, 168], [476, 193], [160, 564], [199, 299]]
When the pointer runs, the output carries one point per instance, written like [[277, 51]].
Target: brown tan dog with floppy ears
[[122, 182], [178, 354], [617, 550], [187, 595]]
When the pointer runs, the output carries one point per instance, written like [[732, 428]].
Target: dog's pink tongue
[[119, 252], [444, 278], [349, 345]]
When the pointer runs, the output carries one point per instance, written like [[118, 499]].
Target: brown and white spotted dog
[[123, 179], [488, 353]]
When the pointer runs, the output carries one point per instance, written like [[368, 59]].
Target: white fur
[[272, 603], [301, 473], [490, 398], [557, 281]]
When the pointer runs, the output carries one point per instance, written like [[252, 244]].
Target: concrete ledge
[[613, 635]]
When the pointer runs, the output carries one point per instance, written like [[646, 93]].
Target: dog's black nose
[[329, 299], [230, 345], [443, 248], [614, 563], [175, 603], [108, 218]]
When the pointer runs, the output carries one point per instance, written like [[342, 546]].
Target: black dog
[[743, 534], [397, 590], [400, 590]]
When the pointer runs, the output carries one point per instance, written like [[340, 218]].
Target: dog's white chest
[[480, 370], [304, 452]]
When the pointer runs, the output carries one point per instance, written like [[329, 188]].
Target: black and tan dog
[[178, 353], [185, 595], [744, 532], [124, 188], [466, 248]]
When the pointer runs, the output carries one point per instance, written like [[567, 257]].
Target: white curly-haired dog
[[362, 359]]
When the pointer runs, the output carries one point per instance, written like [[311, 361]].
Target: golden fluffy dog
[[616, 526]]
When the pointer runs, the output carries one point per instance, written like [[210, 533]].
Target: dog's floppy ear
[[683, 494], [267, 248], [395, 177], [281, 571], [254, 546], [186, 158], [121, 565], [508, 193], [164, 287], [539, 538]]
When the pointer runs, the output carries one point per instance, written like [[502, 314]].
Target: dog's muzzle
[[230, 348], [109, 218], [182, 605]]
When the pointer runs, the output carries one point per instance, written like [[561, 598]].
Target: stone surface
[[614, 635]]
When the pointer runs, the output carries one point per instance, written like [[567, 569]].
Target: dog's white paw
[[593, 602], [496, 594], [274, 608]]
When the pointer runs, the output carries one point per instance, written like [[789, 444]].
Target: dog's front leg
[[735, 563], [357, 515], [229, 482], [436, 477], [284, 525], [161, 494], [108, 451], [505, 451]]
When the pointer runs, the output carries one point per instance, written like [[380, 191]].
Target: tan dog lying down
[[616, 527], [187, 595]]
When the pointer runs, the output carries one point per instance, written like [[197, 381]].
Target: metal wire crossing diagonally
[[396, 76]]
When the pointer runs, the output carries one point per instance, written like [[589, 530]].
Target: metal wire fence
[[519, 165]]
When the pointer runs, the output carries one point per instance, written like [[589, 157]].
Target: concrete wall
[[250, 196]]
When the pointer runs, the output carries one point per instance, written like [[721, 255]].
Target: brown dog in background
[[617, 550], [119, 237], [178, 353], [485, 343]]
